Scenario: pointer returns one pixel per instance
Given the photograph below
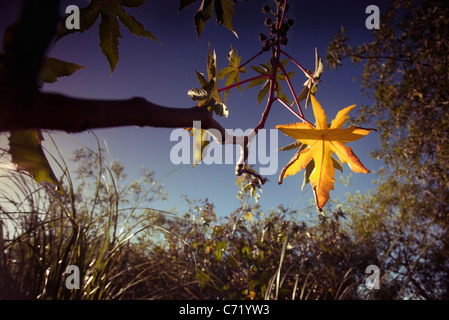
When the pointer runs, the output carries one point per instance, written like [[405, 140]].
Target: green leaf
[[263, 91], [289, 75], [280, 94], [337, 164], [109, 34], [27, 154], [256, 82], [260, 70], [224, 9], [185, 3], [219, 108], [211, 64], [309, 169], [208, 95], [53, 68], [202, 16], [310, 86], [232, 73], [109, 30], [201, 79], [267, 70], [291, 146], [134, 26], [212, 74], [200, 144]]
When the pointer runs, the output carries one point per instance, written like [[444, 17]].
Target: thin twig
[[251, 59], [293, 111], [292, 90], [288, 165], [243, 81], [283, 14], [297, 64]]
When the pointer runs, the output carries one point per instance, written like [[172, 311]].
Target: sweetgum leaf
[[322, 142]]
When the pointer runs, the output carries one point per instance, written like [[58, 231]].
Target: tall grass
[[90, 226]]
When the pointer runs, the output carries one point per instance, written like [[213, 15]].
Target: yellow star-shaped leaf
[[322, 142]]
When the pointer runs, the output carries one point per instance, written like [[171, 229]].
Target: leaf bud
[[266, 45], [266, 9]]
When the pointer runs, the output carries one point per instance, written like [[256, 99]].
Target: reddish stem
[[242, 82], [297, 64], [270, 101], [271, 97], [246, 62], [293, 111], [283, 13], [292, 90]]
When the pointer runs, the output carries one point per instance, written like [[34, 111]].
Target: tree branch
[[59, 112]]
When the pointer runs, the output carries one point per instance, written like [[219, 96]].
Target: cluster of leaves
[[111, 12], [224, 9], [109, 30], [208, 96], [318, 142], [267, 71]]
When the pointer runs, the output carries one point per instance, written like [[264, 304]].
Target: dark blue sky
[[163, 73]]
